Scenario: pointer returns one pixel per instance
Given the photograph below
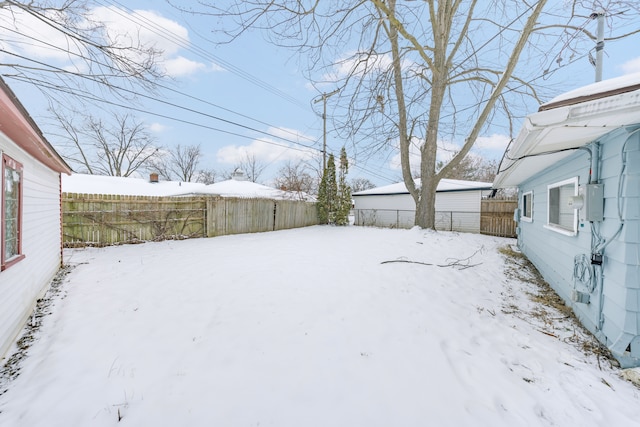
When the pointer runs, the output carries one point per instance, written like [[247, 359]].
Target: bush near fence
[[101, 220]]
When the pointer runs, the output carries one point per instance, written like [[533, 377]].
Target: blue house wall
[[613, 310]]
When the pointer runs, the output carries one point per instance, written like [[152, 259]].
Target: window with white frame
[[11, 208], [561, 216], [527, 206]]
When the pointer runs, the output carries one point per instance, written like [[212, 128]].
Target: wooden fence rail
[[496, 217], [100, 220]]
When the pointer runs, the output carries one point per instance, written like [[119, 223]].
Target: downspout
[[61, 220]]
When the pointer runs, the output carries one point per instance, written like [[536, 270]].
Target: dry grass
[[553, 316]]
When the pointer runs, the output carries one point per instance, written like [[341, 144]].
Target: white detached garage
[[30, 220], [457, 205]]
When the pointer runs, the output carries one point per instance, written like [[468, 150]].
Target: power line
[[157, 84], [91, 97], [144, 22], [132, 92]]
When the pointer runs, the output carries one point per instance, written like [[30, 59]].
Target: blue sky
[[260, 86]]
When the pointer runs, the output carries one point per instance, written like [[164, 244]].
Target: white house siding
[[24, 282], [463, 208], [622, 271], [455, 210], [385, 210], [553, 253]]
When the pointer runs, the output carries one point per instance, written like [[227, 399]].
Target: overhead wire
[[89, 96], [53, 46], [186, 45], [136, 93], [148, 24]]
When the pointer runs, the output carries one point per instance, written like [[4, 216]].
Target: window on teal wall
[[527, 206], [11, 251], [561, 216]]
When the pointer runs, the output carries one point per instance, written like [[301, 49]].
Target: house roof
[[125, 186], [567, 122], [97, 184], [17, 124], [236, 188], [445, 185]]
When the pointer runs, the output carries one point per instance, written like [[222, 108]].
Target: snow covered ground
[[310, 327]]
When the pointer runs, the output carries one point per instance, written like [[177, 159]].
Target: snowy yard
[[309, 327]]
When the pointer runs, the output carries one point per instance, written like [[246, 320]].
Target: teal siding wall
[[553, 253]]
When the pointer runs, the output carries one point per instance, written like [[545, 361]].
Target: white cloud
[[181, 66], [34, 39], [495, 141], [268, 150], [30, 37], [157, 127], [414, 157], [146, 28], [631, 66]]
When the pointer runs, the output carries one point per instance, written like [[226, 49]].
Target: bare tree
[[92, 61], [472, 168], [251, 166], [178, 162], [361, 184], [414, 74], [297, 178], [119, 147], [207, 176]]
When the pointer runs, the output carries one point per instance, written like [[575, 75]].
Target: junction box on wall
[[589, 202]]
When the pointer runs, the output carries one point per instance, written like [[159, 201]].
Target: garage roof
[[445, 185]]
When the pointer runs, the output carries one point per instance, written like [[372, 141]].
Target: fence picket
[[100, 220]]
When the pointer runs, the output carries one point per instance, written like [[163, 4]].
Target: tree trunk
[[425, 210]]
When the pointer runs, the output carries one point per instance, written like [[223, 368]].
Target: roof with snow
[[445, 185], [17, 125], [126, 186], [238, 188], [97, 184], [569, 121]]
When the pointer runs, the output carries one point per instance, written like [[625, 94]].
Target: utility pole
[[324, 98], [599, 43]]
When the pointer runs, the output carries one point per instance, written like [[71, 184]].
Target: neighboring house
[[238, 186], [31, 229], [576, 164], [457, 205], [127, 186]]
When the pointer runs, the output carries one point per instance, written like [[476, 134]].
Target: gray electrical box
[[593, 202]]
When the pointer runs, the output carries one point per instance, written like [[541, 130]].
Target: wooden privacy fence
[[100, 220], [496, 217], [236, 215]]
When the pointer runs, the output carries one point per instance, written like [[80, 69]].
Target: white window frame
[[555, 226], [7, 260], [524, 216]]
